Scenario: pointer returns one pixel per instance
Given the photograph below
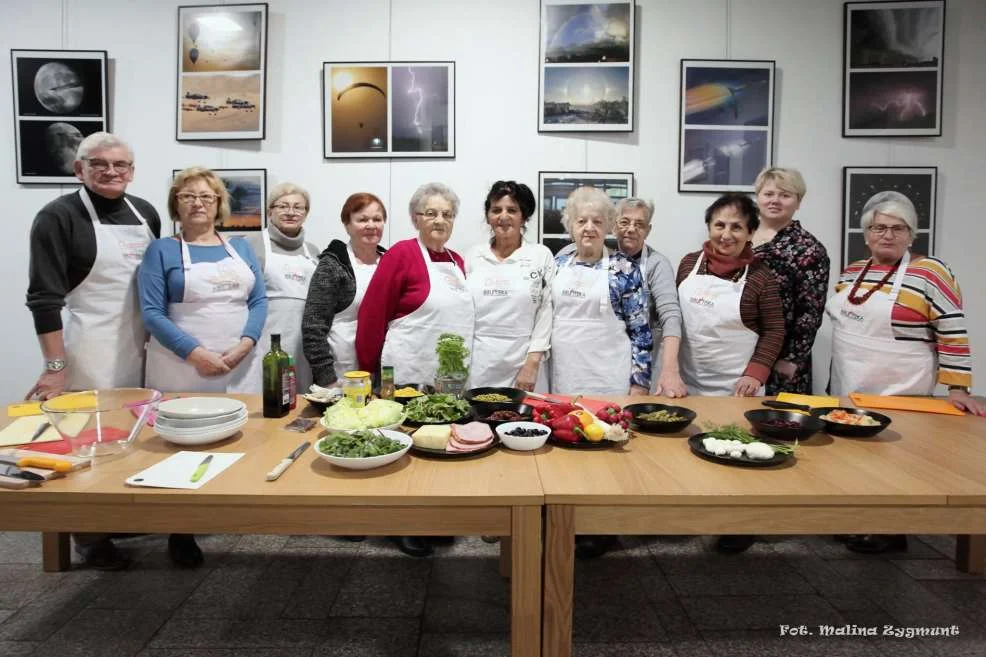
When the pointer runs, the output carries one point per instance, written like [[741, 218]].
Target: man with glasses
[[85, 249]]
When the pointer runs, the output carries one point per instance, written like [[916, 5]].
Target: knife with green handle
[[200, 471]]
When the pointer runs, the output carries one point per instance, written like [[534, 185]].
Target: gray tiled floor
[[301, 596]]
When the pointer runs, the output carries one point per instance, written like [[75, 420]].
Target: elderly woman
[[328, 327], [801, 266], [601, 340], [204, 304], [510, 281], [898, 327], [288, 262], [733, 320]]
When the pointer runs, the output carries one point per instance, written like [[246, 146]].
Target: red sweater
[[399, 286]]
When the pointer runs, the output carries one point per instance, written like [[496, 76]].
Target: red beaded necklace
[[858, 301]]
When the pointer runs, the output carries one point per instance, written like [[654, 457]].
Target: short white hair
[[635, 202], [893, 204], [428, 190], [587, 199], [99, 141]]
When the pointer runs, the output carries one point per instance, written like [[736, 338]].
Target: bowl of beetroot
[[783, 425]]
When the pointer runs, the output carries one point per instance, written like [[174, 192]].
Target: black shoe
[[491, 539], [413, 546], [877, 543], [184, 551], [592, 547], [734, 544], [102, 555]]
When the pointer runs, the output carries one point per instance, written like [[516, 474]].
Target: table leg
[[55, 551], [505, 552], [525, 582], [970, 553], [559, 581]]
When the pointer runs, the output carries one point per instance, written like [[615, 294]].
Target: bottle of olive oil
[[277, 392]]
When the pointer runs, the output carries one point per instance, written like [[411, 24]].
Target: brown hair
[[357, 202], [215, 183]]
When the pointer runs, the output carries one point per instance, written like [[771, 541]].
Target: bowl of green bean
[[659, 418], [363, 450]]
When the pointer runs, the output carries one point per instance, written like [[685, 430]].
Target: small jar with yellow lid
[[356, 386]]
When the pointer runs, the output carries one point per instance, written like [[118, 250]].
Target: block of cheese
[[432, 436]]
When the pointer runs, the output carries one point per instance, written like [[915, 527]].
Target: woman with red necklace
[[898, 327]]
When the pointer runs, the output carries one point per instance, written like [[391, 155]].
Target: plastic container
[[356, 386], [101, 422]]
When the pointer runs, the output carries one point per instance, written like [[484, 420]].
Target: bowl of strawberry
[[659, 418]]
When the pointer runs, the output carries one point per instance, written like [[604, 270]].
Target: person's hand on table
[[49, 384], [207, 363], [638, 391], [670, 384], [746, 386], [234, 356], [963, 401]]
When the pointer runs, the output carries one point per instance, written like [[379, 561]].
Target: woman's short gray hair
[[99, 141], [286, 189], [633, 203], [890, 203], [588, 199], [428, 190]]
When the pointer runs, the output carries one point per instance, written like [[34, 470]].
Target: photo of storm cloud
[[59, 87], [420, 109], [585, 33], [727, 158], [727, 96], [893, 100], [222, 39], [587, 94], [357, 108], [896, 37]]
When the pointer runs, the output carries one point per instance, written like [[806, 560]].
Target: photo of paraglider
[[726, 126], [247, 196], [388, 109], [222, 64], [60, 97]]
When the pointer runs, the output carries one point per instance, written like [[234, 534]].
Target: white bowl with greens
[[347, 415], [363, 450]]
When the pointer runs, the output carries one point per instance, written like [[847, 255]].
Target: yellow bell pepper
[[585, 418], [594, 432]]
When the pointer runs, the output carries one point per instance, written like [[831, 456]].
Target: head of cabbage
[[347, 414]]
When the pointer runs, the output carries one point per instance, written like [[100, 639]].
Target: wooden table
[[498, 495], [924, 474]]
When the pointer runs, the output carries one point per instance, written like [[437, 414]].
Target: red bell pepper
[[567, 427]]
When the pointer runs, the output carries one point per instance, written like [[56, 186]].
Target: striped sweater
[[929, 309]]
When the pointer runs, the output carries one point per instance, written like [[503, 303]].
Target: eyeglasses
[[431, 215], [102, 165], [626, 223], [896, 230], [188, 199], [284, 207]]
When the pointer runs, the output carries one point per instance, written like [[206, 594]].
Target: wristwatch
[[962, 388], [55, 364]]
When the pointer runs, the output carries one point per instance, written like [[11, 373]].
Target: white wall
[[495, 49]]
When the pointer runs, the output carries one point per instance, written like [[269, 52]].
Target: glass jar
[[356, 386], [386, 382]]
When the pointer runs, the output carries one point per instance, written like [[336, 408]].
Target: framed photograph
[[554, 187], [726, 126], [859, 184], [388, 109], [60, 97], [587, 54], [892, 69], [247, 200], [222, 72]]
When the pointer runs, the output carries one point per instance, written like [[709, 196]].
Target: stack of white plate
[[199, 420]]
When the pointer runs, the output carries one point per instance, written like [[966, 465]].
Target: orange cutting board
[[919, 404]]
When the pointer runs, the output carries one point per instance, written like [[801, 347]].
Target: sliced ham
[[469, 437]]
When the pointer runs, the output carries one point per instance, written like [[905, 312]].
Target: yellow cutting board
[[19, 431], [815, 401], [66, 402], [901, 403]]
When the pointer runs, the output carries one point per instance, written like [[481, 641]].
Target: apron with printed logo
[[342, 335]]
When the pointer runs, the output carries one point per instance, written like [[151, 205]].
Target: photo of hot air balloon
[[222, 72], [726, 129]]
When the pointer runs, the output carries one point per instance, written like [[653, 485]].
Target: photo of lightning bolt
[[420, 115], [415, 90]]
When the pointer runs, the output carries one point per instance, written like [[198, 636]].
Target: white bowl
[[201, 436], [199, 407], [200, 423], [523, 443], [388, 427], [369, 462]]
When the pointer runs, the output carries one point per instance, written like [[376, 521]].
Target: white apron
[[342, 335], [716, 346], [410, 343], [865, 355], [103, 331], [590, 348], [505, 315], [286, 278], [213, 311]]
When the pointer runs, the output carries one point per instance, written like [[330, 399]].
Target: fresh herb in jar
[[452, 354]]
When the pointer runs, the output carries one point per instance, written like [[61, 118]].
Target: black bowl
[[851, 430], [761, 419], [513, 394], [420, 387], [482, 411], [649, 426]]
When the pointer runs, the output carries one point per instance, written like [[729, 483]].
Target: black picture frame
[[893, 89], [725, 123], [572, 56], [919, 184], [247, 199], [221, 78], [554, 188], [361, 118], [59, 97]]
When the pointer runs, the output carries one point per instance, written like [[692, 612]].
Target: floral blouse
[[801, 265], [629, 301]]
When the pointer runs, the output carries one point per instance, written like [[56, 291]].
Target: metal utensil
[[787, 406], [40, 432]]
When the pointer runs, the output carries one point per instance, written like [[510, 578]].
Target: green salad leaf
[[358, 444], [347, 414], [436, 409]]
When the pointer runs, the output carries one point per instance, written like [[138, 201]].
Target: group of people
[[739, 317]]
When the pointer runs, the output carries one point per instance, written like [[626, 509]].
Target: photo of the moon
[[59, 87], [61, 142], [48, 147]]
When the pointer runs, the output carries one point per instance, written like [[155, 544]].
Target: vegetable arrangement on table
[[573, 424], [358, 444], [436, 409], [348, 414], [734, 441]]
